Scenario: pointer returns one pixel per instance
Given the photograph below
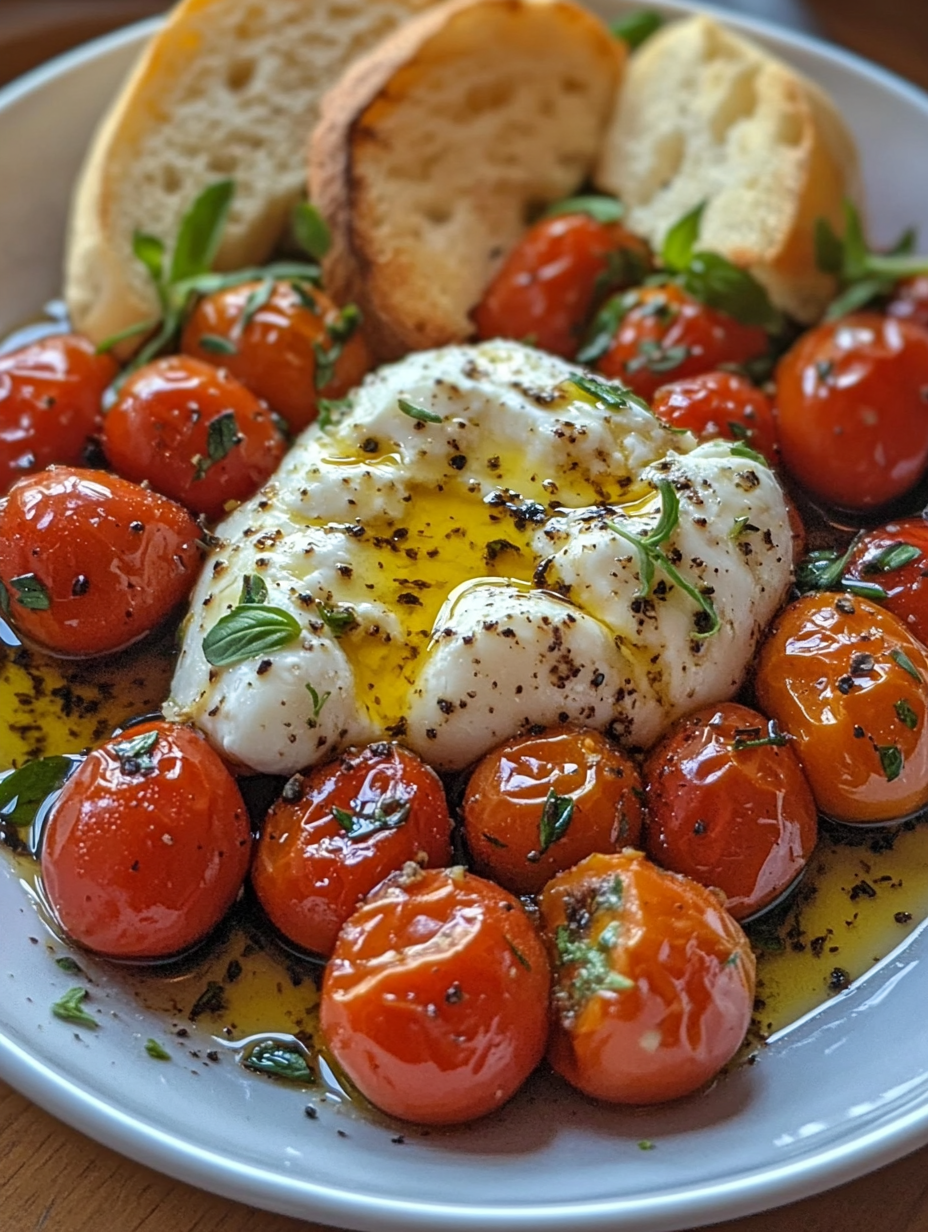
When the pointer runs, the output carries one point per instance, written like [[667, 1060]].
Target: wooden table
[[55, 1180]]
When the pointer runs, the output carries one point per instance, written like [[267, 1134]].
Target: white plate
[[841, 1092]]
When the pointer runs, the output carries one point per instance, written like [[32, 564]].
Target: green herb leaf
[[338, 619], [742, 526], [4, 599], [68, 1009], [906, 714], [217, 345], [248, 631], [646, 1145], [387, 813], [31, 593], [67, 963], [717, 282], [899, 656], [823, 569], [134, 754], [311, 230], [150, 251], [200, 232], [332, 410], [602, 209], [894, 556], [517, 953], [23, 791], [212, 1000], [740, 450], [222, 436], [891, 760], [604, 328], [555, 818], [257, 299], [829, 248], [418, 412], [865, 590], [774, 739], [636, 28], [656, 358], [279, 1060], [680, 241], [318, 702], [616, 397], [863, 275], [593, 973], [254, 590], [155, 1051]]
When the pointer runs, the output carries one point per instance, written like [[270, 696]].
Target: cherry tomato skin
[[50, 396], [105, 560], [910, 301], [550, 282], [667, 335], [852, 415], [719, 404], [194, 433], [653, 980], [275, 352], [510, 824], [144, 855], [435, 1001], [310, 873], [907, 585], [742, 821], [850, 683]]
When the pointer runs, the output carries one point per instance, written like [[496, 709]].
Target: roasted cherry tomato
[[910, 301], [339, 831], [850, 683], [895, 556], [50, 395], [291, 350], [852, 415], [719, 404], [653, 980], [729, 806], [435, 1001], [194, 433], [148, 844], [89, 562], [539, 804], [664, 334], [550, 282]]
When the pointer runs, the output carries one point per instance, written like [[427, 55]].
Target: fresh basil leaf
[[279, 1060], [418, 412], [254, 589], [855, 244], [134, 753], [899, 657], [31, 593], [717, 282], [155, 1051], [311, 230], [338, 619], [150, 251], [23, 791], [892, 761], [556, 815], [69, 1009], [829, 248], [680, 241], [346, 323], [601, 208], [200, 232], [906, 714], [636, 28], [222, 436], [249, 631], [893, 556], [653, 356], [740, 450]]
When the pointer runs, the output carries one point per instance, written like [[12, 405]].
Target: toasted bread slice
[[433, 150], [227, 88], [708, 116]]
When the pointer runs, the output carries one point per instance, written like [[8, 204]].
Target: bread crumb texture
[[434, 152], [227, 88], [708, 116]]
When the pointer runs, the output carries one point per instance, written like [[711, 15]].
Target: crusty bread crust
[[708, 116], [432, 151], [225, 88]]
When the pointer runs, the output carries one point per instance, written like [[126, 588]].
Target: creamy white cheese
[[474, 557]]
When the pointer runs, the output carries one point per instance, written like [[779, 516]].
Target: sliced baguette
[[225, 88], [708, 116], [434, 149]]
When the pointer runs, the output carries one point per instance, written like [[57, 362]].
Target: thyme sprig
[[863, 275]]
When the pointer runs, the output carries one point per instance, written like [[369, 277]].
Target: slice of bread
[[708, 116], [226, 88], [434, 150]]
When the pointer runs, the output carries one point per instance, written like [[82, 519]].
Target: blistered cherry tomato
[[850, 683], [910, 300], [435, 1001], [89, 562], [729, 806], [540, 803], [339, 831], [148, 844], [719, 404], [550, 282], [852, 415], [653, 980], [895, 556], [194, 433], [290, 351], [50, 395], [665, 335]]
